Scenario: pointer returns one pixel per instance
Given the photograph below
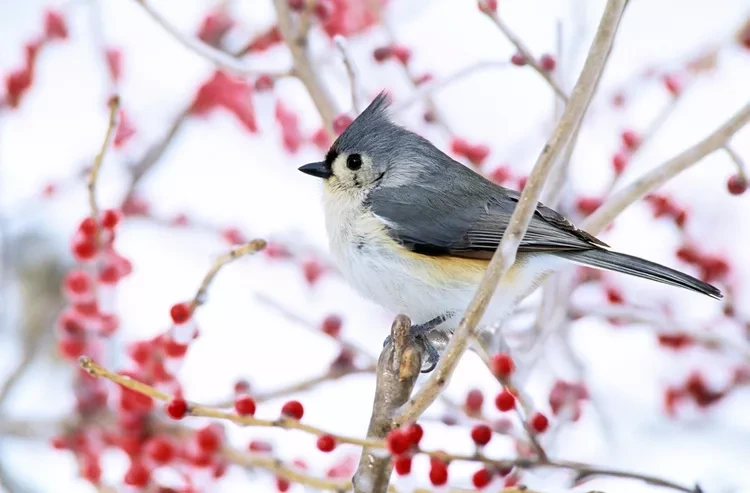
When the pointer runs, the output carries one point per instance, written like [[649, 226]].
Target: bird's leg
[[420, 333]]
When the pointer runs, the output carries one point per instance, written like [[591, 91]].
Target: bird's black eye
[[354, 162]]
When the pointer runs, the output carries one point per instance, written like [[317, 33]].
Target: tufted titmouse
[[413, 230]]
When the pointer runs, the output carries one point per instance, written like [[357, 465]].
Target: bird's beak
[[319, 169]]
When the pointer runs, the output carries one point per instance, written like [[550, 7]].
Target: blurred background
[[633, 375]]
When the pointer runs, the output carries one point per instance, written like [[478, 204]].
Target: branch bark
[[505, 255], [398, 368]]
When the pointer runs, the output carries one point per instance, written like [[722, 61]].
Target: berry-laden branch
[[657, 177], [506, 252], [217, 57], [398, 369], [114, 107], [523, 51]]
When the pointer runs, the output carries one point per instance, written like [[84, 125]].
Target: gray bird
[[413, 230]]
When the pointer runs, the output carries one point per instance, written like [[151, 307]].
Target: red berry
[[414, 433], [259, 446], [502, 365], [737, 184], [138, 475], [177, 408], [402, 464], [438, 473], [282, 484], [140, 351], [587, 205], [547, 62], [539, 422], [244, 405], [109, 274], [233, 236], [487, 5], [477, 154], [332, 326], [54, 25], [673, 84], [293, 409], [84, 249], [619, 161], [614, 296], [326, 443], [87, 226], [505, 401], [263, 83], [341, 122], [71, 347], [382, 54], [481, 434], [631, 140], [296, 5], [78, 282], [241, 387], [481, 478], [312, 270], [209, 438], [16, 84], [401, 53], [501, 174], [110, 218], [398, 442], [160, 449], [180, 313], [474, 401], [518, 60], [172, 348], [90, 469]]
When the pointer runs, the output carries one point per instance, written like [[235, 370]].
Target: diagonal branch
[[505, 255], [662, 174]]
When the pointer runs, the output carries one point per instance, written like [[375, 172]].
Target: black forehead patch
[[331, 156]]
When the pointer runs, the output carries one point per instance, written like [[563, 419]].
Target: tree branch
[[398, 369], [505, 255], [114, 107], [657, 177]]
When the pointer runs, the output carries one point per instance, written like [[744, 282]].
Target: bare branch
[[398, 369], [351, 72], [524, 51], [215, 56], [657, 177], [505, 255], [741, 167], [303, 67], [114, 107]]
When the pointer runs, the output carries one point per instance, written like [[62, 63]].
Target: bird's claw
[[419, 334]]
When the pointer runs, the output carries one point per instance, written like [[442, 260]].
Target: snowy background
[[217, 173]]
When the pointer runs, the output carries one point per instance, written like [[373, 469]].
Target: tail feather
[[627, 264]]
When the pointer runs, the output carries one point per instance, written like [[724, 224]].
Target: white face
[[353, 172]]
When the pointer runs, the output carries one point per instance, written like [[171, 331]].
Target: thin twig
[[249, 248], [741, 167], [524, 51], [657, 177], [398, 369], [303, 67], [114, 107], [505, 255], [215, 56], [351, 72], [430, 88]]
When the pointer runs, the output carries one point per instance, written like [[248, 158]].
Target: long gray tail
[[627, 264]]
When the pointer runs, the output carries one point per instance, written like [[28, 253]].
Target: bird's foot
[[420, 334]]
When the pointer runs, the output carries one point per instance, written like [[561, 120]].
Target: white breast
[[407, 283]]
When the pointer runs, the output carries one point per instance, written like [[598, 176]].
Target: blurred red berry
[[214, 27], [228, 92], [481, 478], [676, 340], [177, 408], [332, 326], [233, 236], [114, 63], [539, 422], [487, 5], [341, 122], [326, 443], [71, 347], [477, 154], [614, 296], [110, 218], [438, 473], [518, 59], [505, 401], [140, 351], [547, 62], [474, 401], [209, 438], [293, 409], [282, 484], [55, 26], [414, 433], [125, 130], [161, 449], [264, 83], [402, 464], [620, 161], [631, 140], [180, 313], [90, 469], [16, 84], [137, 475], [296, 5], [244, 405], [502, 365], [312, 270], [587, 205], [501, 174], [481, 434], [78, 282], [382, 54], [673, 84], [737, 184], [398, 442], [84, 249], [401, 53]]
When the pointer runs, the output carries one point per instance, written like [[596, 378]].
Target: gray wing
[[459, 213]]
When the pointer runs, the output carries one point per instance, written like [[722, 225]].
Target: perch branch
[[660, 175], [506, 252], [398, 369]]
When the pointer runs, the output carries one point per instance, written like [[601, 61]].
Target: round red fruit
[[326, 443], [244, 405], [505, 401], [481, 434], [293, 409]]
